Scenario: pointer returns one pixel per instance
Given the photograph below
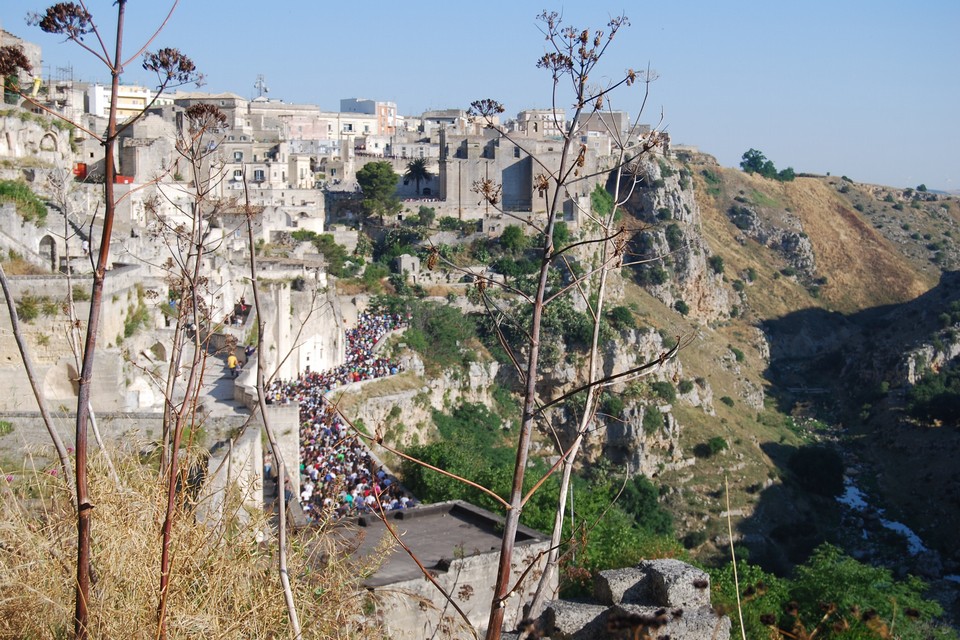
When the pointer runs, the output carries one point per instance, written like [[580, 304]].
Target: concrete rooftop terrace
[[436, 534]]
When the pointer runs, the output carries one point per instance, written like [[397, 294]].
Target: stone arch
[[49, 142], [159, 351], [48, 249]]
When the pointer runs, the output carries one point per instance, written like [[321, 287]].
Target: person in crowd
[[338, 475], [233, 364]]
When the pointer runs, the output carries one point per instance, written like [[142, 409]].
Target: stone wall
[[124, 429], [655, 599], [234, 487]]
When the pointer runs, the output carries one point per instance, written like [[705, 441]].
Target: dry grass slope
[[225, 582], [864, 268]]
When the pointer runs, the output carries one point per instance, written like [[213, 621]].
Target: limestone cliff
[[669, 250]]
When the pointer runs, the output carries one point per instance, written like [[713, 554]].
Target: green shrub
[[694, 539], [674, 236], [716, 444], [6, 427], [727, 400], [601, 201], [682, 307], [737, 354], [28, 308], [710, 448], [28, 205], [561, 235], [621, 318], [373, 274], [741, 217], [685, 386], [512, 239], [334, 254], [936, 397], [655, 275], [439, 333], [716, 263], [612, 405], [667, 340], [664, 390], [652, 420]]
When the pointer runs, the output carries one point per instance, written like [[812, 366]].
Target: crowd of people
[[338, 474]]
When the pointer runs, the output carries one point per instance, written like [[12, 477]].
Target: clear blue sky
[[863, 88]]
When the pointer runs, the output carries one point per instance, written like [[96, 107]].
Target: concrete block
[[563, 620], [676, 584], [676, 623], [622, 586]]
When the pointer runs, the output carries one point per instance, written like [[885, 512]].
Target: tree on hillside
[[512, 238], [378, 182], [418, 171], [755, 162]]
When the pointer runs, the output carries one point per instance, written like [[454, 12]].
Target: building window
[[238, 174], [258, 175], [238, 156]]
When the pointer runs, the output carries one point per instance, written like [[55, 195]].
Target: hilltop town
[[359, 282]]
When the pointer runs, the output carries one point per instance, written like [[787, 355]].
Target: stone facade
[[655, 599]]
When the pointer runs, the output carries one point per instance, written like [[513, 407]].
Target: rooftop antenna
[[261, 85]]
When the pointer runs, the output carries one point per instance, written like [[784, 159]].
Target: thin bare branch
[[426, 572]]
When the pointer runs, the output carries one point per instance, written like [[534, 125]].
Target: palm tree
[[418, 172]]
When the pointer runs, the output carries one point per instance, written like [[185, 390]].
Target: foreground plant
[[226, 585]]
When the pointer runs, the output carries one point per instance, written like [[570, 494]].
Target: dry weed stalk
[[225, 587]]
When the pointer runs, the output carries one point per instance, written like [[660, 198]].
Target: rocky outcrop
[[645, 435], [784, 234], [656, 599], [25, 135], [413, 405], [674, 241], [644, 450]]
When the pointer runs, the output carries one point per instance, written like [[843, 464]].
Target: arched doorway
[[48, 249], [49, 142]]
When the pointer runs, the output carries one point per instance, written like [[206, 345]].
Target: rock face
[[784, 235], [414, 405], [645, 435], [674, 242], [655, 599]]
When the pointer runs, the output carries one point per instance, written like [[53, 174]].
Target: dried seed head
[[13, 60], [65, 18]]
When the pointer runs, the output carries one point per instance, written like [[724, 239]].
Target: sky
[[862, 88]]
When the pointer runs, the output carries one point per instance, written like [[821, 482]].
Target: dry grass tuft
[[224, 582]]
